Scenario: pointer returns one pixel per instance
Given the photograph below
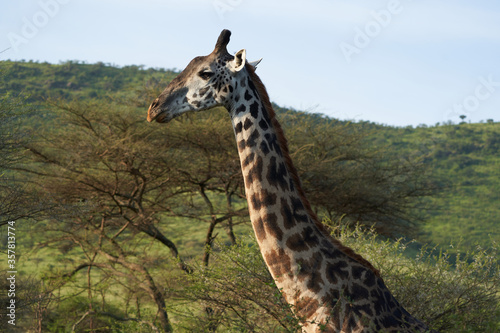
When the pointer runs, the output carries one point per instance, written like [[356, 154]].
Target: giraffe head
[[206, 82]]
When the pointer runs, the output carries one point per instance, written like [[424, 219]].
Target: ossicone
[[222, 41]]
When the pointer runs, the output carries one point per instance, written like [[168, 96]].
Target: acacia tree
[[211, 172], [18, 205], [90, 161], [118, 183], [16, 199], [346, 177], [206, 144]]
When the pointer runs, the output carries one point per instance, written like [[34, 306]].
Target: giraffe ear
[[239, 61]]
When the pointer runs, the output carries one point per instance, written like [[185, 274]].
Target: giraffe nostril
[[154, 104]]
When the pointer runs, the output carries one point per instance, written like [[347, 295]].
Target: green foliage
[[73, 79], [346, 177], [16, 200], [453, 293], [117, 197], [463, 161], [237, 293]]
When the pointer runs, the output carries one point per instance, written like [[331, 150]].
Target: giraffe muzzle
[[154, 112]]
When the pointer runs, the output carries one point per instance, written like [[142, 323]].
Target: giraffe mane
[[261, 89]]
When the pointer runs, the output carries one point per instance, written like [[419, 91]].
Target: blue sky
[[396, 62]]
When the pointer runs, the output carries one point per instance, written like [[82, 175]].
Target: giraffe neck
[[291, 240], [327, 284]]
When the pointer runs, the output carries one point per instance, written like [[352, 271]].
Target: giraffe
[[330, 288]]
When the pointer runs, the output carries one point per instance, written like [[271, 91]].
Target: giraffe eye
[[205, 74]]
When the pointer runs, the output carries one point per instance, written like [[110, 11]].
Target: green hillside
[[74, 79], [465, 159]]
